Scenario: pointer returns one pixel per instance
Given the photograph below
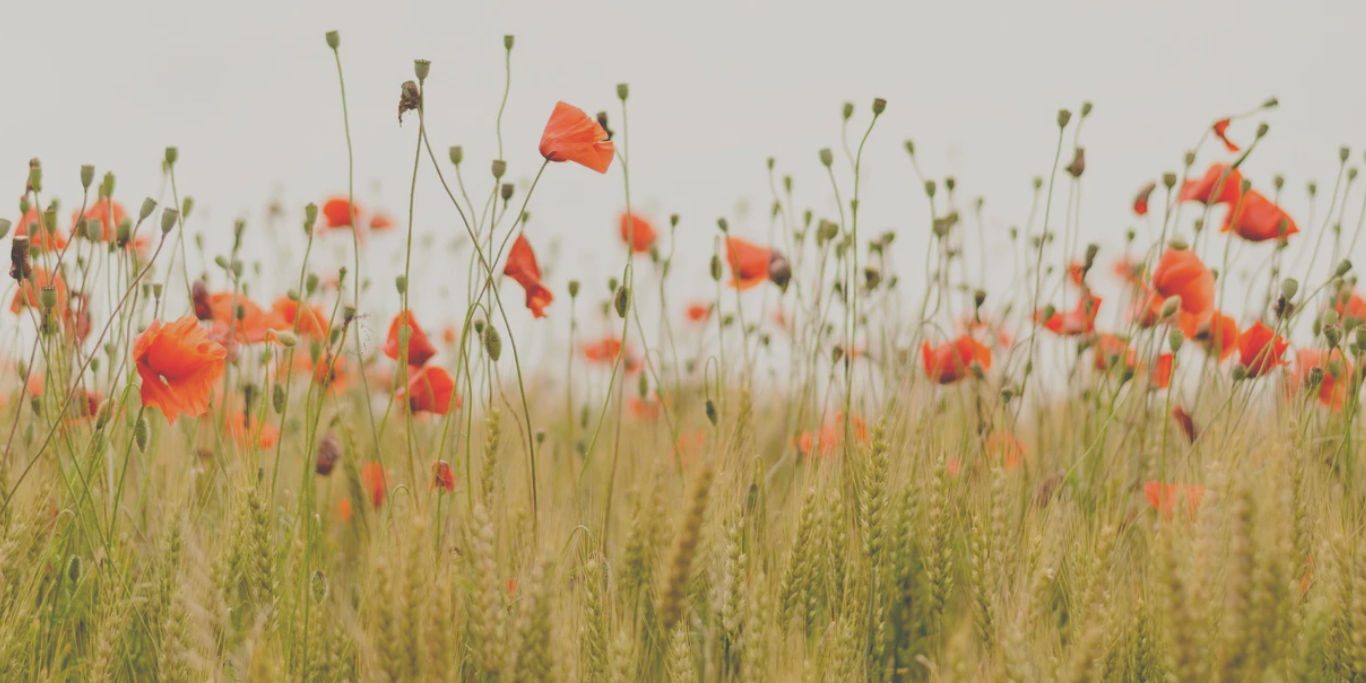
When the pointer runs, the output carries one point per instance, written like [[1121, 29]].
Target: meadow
[[1124, 464]]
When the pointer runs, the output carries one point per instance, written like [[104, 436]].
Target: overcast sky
[[248, 91]]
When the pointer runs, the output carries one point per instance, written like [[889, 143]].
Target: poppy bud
[[409, 98], [910, 148], [827, 157], [826, 231], [1343, 268], [1178, 244], [4, 227], [329, 452], [723, 225], [156, 290], [1078, 165], [87, 176], [1316, 376], [1085, 109], [505, 191], [642, 386], [1361, 340], [573, 288], [168, 220], [186, 206], [848, 111], [622, 301], [421, 67], [1175, 340], [105, 413], [623, 91], [1037, 182], [929, 188], [1170, 307], [107, 185], [333, 39], [1063, 117], [1352, 173], [401, 284], [977, 371], [879, 106], [1013, 232], [35, 174], [711, 412], [140, 434], [1313, 188], [1333, 335], [715, 268], [277, 399], [836, 354], [779, 270], [1262, 129], [288, 339], [1330, 318], [499, 168], [493, 343]]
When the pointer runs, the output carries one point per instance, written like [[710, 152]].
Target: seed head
[[333, 39]]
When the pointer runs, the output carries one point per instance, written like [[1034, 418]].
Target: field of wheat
[[1074, 463]]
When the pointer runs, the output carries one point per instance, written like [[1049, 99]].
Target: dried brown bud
[[1078, 165], [409, 99], [329, 452], [199, 296], [779, 270], [19, 268]]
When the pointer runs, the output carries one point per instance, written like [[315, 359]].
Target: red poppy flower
[[1181, 273], [1005, 447], [1215, 187], [381, 221], [1221, 132], [950, 362], [748, 263], [1349, 305], [329, 372], [1337, 375], [635, 225], [1080, 320], [1127, 270], [313, 322], [431, 390], [376, 482], [1146, 308], [1260, 349], [571, 135], [521, 266], [1076, 272], [336, 213], [1161, 377], [344, 509], [1163, 498], [604, 351], [1111, 351], [252, 325], [39, 238], [420, 349], [443, 476], [259, 434], [108, 213], [29, 295], [1216, 333], [832, 435], [699, 312], [1257, 219], [1186, 422], [178, 366], [1141, 199]]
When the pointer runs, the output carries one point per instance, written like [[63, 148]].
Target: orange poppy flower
[[1337, 375], [1228, 187], [571, 135], [1146, 308], [1257, 219], [448, 333], [522, 267], [1186, 422], [1161, 377], [635, 225], [748, 263], [376, 482], [344, 509], [1217, 334], [1221, 132], [1260, 349], [381, 221], [44, 240], [1076, 272], [699, 312], [949, 362], [431, 390], [108, 213], [1141, 199], [251, 328], [313, 322], [1111, 351], [1080, 320], [336, 213], [604, 352], [985, 330], [1005, 447], [1127, 270], [420, 349], [643, 409], [1163, 498], [29, 295], [259, 434], [329, 373], [443, 476], [1181, 273], [178, 366]]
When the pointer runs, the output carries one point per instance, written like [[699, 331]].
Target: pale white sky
[[247, 90]]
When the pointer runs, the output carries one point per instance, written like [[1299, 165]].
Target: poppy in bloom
[[109, 213], [344, 509], [1349, 304], [748, 263], [949, 362], [1221, 132], [1111, 351], [699, 312], [257, 434], [1181, 273], [1141, 199], [1146, 309], [1218, 333], [637, 232], [1076, 272], [443, 476], [431, 390], [1127, 270], [1080, 320], [39, 238], [605, 351], [572, 135], [1336, 376], [33, 287], [336, 213], [1005, 447], [310, 319], [1163, 498], [178, 365], [329, 372], [985, 330], [376, 482], [420, 349], [247, 321], [1161, 377], [1221, 184], [1257, 219], [1260, 349], [521, 266], [381, 221], [832, 435], [1186, 422]]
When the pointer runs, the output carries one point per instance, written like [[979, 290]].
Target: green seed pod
[[715, 268], [186, 206], [493, 344], [457, 154], [573, 289], [333, 39], [642, 386], [499, 167], [827, 157], [140, 434], [87, 176], [277, 398], [622, 301], [879, 106], [401, 284], [711, 412], [73, 569], [1175, 340], [1290, 287], [623, 91], [1064, 116], [1343, 268]]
